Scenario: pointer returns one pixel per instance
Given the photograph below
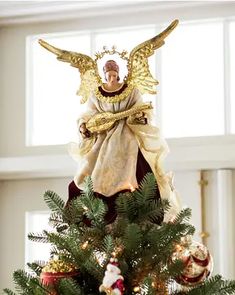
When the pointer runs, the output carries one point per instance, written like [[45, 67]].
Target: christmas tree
[[139, 251]]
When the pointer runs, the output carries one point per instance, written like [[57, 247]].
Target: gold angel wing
[[90, 78], [138, 68]]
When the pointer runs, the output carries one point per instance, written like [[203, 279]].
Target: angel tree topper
[[118, 146]]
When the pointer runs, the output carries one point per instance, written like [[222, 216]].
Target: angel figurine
[[118, 145]]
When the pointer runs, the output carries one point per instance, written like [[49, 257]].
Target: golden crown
[[123, 54]]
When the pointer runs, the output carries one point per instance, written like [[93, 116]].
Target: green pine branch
[[108, 245], [132, 240], [142, 205], [69, 287], [94, 209], [56, 221], [216, 285], [39, 237], [147, 188], [151, 211], [126, 207], [183, 216], [92, 266], [54, 202], [94, 235], [147, 288], [8, 291], [57, 205], [88, 187], [74, 211], [28, 285], [36, 267]]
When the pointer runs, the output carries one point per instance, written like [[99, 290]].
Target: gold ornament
[[139, 75], [57, 265]]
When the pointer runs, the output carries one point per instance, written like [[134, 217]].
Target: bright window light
[[36, 222], [192, 81], [53, 106]]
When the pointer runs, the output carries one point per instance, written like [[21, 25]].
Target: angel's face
[[111, 77]]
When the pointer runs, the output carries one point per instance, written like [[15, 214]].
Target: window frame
[[158, 117]]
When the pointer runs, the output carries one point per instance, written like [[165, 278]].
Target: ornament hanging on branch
[[113, 281], [197, 260], [55, 270]]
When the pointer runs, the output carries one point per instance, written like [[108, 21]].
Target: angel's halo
[[119, 57]]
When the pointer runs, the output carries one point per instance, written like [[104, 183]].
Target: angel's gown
[[118, 159]]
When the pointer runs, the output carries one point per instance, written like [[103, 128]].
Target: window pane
[[36, 222], [53, 103], [232, 73], [192, 81]]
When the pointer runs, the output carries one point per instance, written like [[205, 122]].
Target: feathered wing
[[87, 67], [138, 68]]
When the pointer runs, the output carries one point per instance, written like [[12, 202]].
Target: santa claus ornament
[[198, 263], [113, 281]]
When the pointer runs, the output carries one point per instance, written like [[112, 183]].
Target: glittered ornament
[[54, 271], [198, 263]]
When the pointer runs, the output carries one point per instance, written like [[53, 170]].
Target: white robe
[[110, 158]]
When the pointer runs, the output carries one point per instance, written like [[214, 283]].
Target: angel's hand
[[84, 131], [139, 118], [139, 115]]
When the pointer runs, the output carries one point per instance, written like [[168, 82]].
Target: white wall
[[16, 198]]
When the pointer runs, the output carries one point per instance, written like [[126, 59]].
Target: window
[[53, 106], [192, 81], [191, 99], [36, 222]]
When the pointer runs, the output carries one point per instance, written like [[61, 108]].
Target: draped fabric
[[141, 170], [110, 158]]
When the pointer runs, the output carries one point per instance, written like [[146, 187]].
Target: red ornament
[[49, 278], [198, 263], [52, 279]]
